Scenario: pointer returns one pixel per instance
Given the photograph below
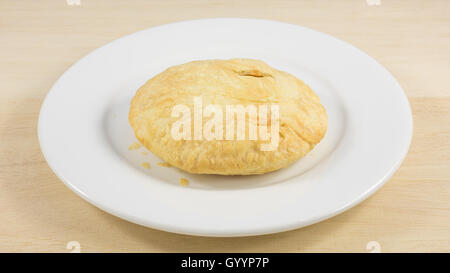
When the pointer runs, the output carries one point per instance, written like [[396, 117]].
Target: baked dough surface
[[302, 119]]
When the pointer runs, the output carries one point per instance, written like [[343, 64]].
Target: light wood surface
[[39, 40]]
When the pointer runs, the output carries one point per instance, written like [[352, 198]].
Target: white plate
[[84, 131]]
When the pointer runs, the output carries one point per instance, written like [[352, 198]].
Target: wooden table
[[39, 40]]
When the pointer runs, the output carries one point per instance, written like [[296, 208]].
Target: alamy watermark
[[258, 117], [373, 247], [73, 246], [373, 2], [73, 2]]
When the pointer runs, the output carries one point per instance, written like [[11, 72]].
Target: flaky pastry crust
[[302, 121]]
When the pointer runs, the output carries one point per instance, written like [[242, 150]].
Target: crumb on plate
[[164, 164], [134, 146], [184, 182]]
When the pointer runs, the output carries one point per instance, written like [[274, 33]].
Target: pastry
[[301, 121]]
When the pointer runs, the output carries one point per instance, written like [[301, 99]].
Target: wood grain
[[39, 40]]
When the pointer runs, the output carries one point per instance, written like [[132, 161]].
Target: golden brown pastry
[[302, 119]]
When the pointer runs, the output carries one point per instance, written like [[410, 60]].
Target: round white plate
[[84, 131]]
